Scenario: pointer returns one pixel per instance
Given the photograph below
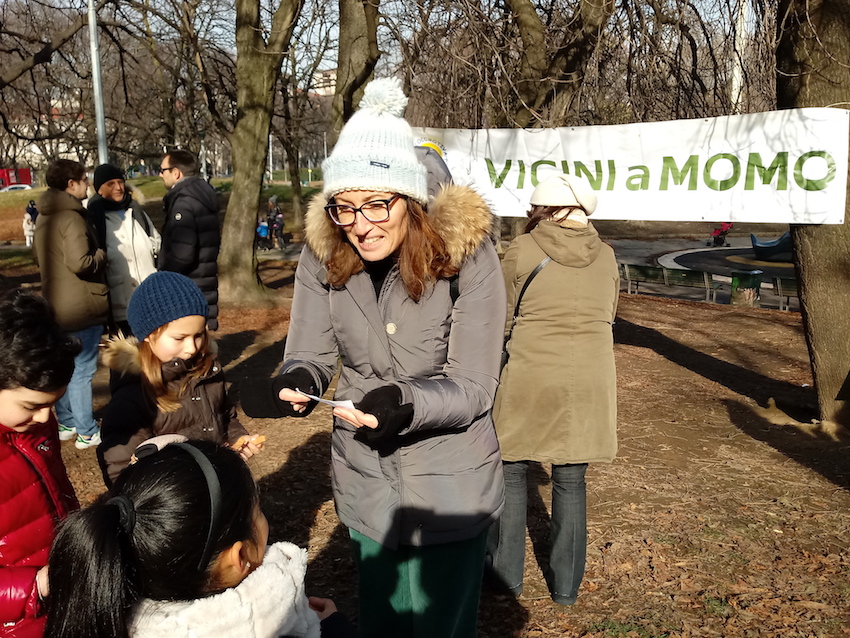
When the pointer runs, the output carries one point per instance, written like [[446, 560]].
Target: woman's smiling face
[[375, 241]]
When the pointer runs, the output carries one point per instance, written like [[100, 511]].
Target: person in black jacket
[[191, 235]]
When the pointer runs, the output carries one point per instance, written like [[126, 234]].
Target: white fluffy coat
[[269, 603]]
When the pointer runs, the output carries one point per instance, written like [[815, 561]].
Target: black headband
[[214, 488]]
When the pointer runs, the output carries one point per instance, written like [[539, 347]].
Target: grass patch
[[150, 186], [14, 259], [307, 175], [284, 192], [615, 629], [14, 203]]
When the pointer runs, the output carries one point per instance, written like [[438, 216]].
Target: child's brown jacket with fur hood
[[132, 417]]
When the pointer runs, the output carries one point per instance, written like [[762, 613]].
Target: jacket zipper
[[390, 280]]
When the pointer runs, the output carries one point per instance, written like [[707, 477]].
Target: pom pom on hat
[[105, 173], [563, 190], [375, 151], [162, 298], [384, 95]]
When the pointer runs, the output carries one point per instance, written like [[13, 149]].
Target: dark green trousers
[[419, 592]]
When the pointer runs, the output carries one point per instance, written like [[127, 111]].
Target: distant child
[[167, 380], [29, 228], [177, 548], [263, 240], [36, 363]]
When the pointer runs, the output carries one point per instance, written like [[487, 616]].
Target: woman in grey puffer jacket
[[413, 306]]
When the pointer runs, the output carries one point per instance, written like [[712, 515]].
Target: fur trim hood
[[458, 214], [122, 355]]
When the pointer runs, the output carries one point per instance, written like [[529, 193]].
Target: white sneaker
[[85, 442], [66, 433]]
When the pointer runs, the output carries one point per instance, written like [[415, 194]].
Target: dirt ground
[[714, 520]]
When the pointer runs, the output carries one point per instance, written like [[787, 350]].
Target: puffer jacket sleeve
[[311, 343], [465, 391], [180, 239], [18, 593]]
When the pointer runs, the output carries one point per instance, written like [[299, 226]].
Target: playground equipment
[[777, 250]]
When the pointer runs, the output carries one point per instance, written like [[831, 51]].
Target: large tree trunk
[[545, 77], [812, 57], [358, 55], [257, 70]]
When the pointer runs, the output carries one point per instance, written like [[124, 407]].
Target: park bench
[[635, 274], [785, 288]]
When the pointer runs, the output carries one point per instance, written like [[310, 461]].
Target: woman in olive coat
[[556, 401]]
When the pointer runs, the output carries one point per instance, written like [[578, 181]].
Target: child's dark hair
[[34, 352], [145, 538]]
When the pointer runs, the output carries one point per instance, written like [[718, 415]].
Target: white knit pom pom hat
[[375, 148]]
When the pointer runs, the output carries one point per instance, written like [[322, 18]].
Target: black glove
[[261, 399], [393, 416]]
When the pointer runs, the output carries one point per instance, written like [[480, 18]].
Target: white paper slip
[[334, 404]]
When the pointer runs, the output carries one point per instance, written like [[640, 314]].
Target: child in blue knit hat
[[167, 380]]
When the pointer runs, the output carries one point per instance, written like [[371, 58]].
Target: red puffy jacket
[[35, 494]]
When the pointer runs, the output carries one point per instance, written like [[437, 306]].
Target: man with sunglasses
[[191, 236]]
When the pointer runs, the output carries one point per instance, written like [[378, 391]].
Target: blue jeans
[[74, 409], [506, 542]]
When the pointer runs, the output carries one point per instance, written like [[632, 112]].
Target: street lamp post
[[97, 88]]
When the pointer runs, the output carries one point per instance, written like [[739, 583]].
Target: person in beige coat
[[73, 280], [556, 401]]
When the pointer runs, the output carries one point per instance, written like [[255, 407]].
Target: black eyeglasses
[[165, 169], [376, 211]]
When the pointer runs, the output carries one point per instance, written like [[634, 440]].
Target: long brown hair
[[167, 399], [539, 214], [422, 256]]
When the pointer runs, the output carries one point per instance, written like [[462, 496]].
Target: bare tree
[[358, 55], [301, 113], [258, 66], [481, 64]]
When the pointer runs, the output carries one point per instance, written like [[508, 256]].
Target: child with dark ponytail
[[178, 548]]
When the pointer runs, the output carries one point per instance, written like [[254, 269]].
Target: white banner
[[780, 167]]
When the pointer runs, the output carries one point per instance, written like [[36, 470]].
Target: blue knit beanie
[[161, 298]]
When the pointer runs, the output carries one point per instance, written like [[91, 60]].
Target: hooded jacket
[[557, 400], [72, 265], [191, 237], [443, 482], [131, 417], [269, 603], [35, 494]]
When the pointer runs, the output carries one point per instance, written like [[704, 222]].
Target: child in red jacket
[[36, 363]]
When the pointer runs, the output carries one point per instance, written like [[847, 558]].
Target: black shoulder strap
[[528, 280], [454, 288], [140, 216]]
